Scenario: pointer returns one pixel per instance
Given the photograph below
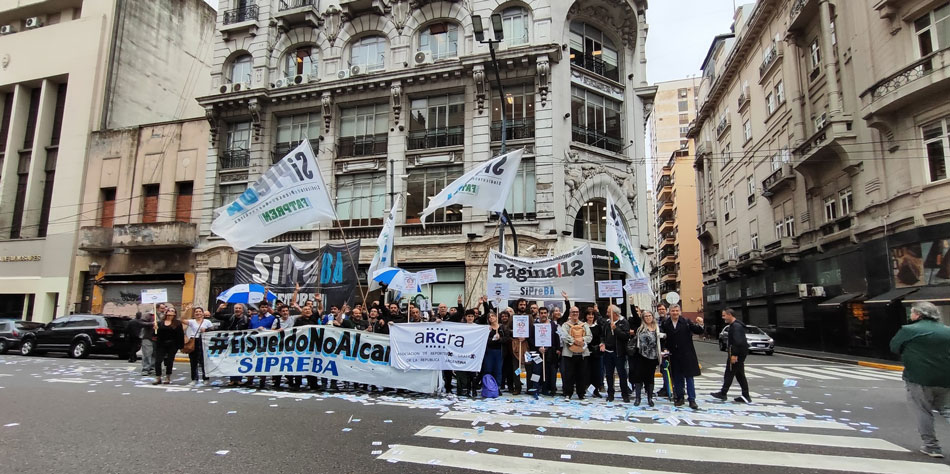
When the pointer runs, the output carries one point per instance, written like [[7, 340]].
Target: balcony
[[664, 189], [920, 80], [351, 233], [729, 267], [432, 228], [298, 12], [158, 235], [595, 139], [744, 99], [235, 159], [668, 241], [354, 8], [665, 209], [722, 127], [292, 236], [367, 145], [771, 59], [95, 239], [436, 138], [778, 180], [596, 65], [239, 19], [514, 129], [752, 261], [825, 148], [801, 13], [707, 229], [784, 249], [665, 225], [668, 277]]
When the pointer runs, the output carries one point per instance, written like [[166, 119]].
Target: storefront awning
[[839, 300], [931, 294], [892, 295]]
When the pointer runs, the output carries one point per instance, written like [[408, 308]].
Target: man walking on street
[[923, 346], [737, 349], [684, 364]]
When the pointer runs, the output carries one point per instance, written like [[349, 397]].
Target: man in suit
[[738, 349], [684, 364]]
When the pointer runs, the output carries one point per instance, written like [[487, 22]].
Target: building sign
[[921, 263], [588, 82], [546, 277], [20, 258]]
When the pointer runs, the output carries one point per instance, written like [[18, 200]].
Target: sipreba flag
[[384, 245], [485, 187], [618, 241], [290, 195]]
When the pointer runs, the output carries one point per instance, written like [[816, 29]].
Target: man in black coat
[[738, 349], [236, 321], [551, 354], [133, 334], [684, 364], [616, 331]]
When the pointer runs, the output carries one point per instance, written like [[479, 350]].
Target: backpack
[[577, 334], [489, 387]]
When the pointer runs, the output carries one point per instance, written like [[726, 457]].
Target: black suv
[[79, 335], [11, 331]]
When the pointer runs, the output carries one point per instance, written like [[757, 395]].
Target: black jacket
[[133, 330], [597, 336], [551, 353], [615, 341], [230, 322], [736, 341], [679, 341]]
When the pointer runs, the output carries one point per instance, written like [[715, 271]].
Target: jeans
[[197, 359], [614, 362], [736, 370], [165, 353], [573, 376], [148, 356], [678, 387], [492, 365], [924, 401]]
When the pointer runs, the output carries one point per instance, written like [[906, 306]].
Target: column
[[41, 138], [8, 185], [830, 60]]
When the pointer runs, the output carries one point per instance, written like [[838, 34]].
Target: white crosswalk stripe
[[813, 372]]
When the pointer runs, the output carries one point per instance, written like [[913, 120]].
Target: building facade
[[123, 63], [821, 153], [676, 266], [396, 97]]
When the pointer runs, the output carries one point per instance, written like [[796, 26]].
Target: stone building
[[397, 97], [67, 68], [822, 145]]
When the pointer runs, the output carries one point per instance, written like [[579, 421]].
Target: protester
[[356, 317], [196, 326], [465, 386], [737, 348], [507, 355], [262, 321], [684, 364], [375, 324], [922, 346], [575, 335], [615, 332], [169, 339], [595, 362], [550, 356], [498, 336], [645, 357], [283, 322], [305, 319], [236, 321], [660, 317], [133, 334], [148, 344]]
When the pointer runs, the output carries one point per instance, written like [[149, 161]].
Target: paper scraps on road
[[492, 450], [346, 430], [790, 383], [633, 438], [11, 425], [222, 452], [565, 456], [529, 455], [231, 412]]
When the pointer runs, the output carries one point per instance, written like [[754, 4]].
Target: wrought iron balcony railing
[[237, 15]]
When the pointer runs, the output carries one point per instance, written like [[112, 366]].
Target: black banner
[[327, 270]]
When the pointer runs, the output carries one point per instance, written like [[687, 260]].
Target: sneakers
[[718, 395], [932, 452], [742, 399]]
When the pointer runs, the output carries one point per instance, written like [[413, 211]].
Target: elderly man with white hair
[[924, 347]]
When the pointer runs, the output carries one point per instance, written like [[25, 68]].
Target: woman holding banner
[[169, 339]]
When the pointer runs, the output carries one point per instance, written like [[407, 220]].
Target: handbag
[[189, 346], [633, 344]]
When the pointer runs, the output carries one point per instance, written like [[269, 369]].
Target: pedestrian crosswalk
[[813, 372]]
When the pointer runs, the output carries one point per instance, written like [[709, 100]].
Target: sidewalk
[[835, 357]]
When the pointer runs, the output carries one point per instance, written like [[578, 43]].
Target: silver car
[[759, 341]]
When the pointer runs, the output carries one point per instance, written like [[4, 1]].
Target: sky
[[680, 34]]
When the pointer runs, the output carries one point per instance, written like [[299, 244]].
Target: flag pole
[[350, 255]]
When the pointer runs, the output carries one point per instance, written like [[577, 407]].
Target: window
[[301, 60], [149, 203], [241, 69], [440, 39], [728, 205], [780, 92], [784, 216], [50, 169], [107, 216], [834, 33], [750, 185], [425, 183], [519, 112], [933, 30], [237, 143], [293, 129], [57, 115], [369, 52], [683, 105], [937, 143], [591, 221], [593, 51], [682, 93], [754, 234], [23, 178], [747, 130], [815, 53], [521, 200], [31, 117], [831, 209], [360, 198], [227, 193], [726, 155], [595, 120], [183, 201], [846, 201], [684, 119], [514, 22], [770, 103], [364, 130], [437, 121]]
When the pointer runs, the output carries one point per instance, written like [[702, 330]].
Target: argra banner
[[545, 278], [328, 271], [319, 351], [438, 346]]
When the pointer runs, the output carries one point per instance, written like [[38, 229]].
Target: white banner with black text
[[439, 346], [545, 278]]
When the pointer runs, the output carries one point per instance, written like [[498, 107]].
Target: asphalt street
[[100, 415]]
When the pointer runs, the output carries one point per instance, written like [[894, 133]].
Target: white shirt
[[193, 327]]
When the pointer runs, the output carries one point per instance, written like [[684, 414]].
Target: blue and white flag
[[485, 187], [618, 242], [384, 245]]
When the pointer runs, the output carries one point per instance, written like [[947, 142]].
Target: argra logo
[[440, 338]]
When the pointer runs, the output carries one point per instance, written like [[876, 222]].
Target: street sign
[[672, 297]]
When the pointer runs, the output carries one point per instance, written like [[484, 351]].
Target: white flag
[[384, 245], [485, 187], [290, 195], [619, 243]]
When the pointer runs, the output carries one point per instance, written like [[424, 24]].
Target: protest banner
[[542, 334], [427, 277], [289, 195], [546, 277], [321, 351], [610, 289], [438, 346], [327, 270], [519, 326], [154, 296], [638, 285]]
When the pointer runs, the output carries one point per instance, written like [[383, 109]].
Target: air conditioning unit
[[240, 86], [343, 74], [7, 29], [357, 70], [803, 290], [422, 58], [818, 291], [300, 79], [34, 22]]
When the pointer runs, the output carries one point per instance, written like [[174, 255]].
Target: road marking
[[852, 374], [800, 372], [702, 454], [70, 380], [722, 370], [854, 442], [497, 463]]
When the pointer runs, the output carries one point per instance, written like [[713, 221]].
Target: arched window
[[591, 221], [241, 68], [369, 52], [440, 39], [301, 60], [514, 21], [591, 49]]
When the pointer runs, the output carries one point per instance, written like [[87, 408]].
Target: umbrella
[[397, 279], [245, 293]]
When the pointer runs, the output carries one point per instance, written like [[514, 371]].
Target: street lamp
[[499, 36]]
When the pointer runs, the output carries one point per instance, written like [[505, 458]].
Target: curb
[[182, 359]]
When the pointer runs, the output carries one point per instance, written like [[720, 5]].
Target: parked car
[[759, 341], [79, 335], [11, 331]]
